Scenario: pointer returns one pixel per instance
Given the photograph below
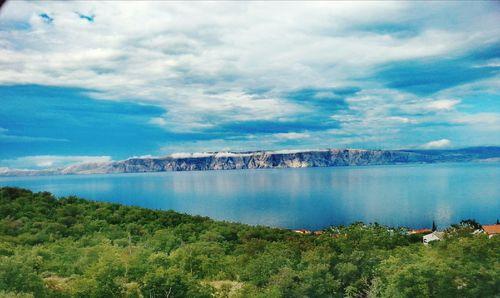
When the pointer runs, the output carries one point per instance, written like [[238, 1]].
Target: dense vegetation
[[71, 247]]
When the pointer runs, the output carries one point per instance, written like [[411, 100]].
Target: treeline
[[71, 247]]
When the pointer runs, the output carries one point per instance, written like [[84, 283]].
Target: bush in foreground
[[71, 247]]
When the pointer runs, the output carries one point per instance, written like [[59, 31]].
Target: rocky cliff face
[[265, 160], [270, 159]]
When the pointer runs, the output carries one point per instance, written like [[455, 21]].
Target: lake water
[[310, 198]]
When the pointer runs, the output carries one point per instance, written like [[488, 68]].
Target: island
[[268, 160]]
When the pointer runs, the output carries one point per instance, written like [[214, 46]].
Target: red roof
[[492, 229]]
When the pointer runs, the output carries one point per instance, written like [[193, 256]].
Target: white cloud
[[443, 104], [5, 136], [494, 63], [292, 135], [51, 161], [202, 62], [231, 154], [398, 119], [443, 143], [415, 105], [188, 154], [291, 151], [143, 156], [484, 119], [199, 60], [158, 121]]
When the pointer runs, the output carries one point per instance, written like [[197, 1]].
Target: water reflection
[[412, 195]]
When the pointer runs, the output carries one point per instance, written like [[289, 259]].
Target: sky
[[98, 81]]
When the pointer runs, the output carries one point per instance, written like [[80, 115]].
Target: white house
[[434, 236]]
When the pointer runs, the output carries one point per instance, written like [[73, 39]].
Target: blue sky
[[90, 81]]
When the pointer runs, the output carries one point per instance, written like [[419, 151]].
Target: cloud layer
[[443, 143], [52, 161], [269, 75]]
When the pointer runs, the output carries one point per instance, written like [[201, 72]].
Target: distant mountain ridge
[[268, 160]]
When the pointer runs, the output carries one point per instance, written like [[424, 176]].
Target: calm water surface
[[311, 198]]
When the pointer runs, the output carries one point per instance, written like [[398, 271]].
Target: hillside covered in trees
[[70, 247]]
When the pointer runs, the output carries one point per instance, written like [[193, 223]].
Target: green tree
[[19, 275], [172, 282]]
